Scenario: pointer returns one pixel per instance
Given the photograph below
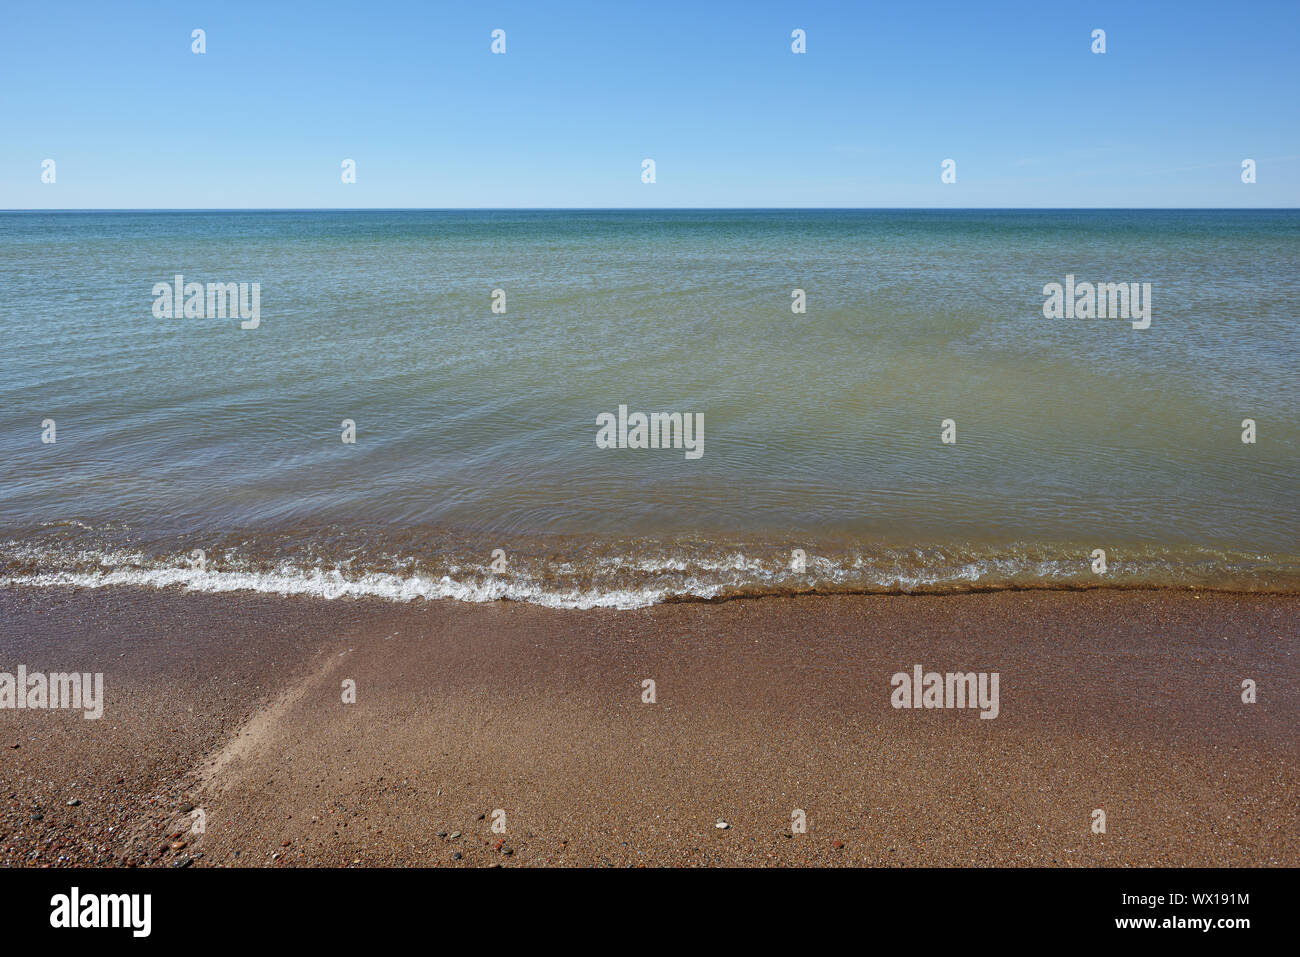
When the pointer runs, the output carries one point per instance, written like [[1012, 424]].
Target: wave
[[634, 574]]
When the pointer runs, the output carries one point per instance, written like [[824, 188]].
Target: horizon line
[[520, 209]]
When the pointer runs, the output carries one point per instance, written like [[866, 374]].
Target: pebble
[[722, 825], [456, 856], [74, 802], [453, 835]]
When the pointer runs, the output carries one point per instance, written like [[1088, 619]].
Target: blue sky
[[710, 91]]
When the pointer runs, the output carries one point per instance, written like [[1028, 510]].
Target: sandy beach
[[466, 715]]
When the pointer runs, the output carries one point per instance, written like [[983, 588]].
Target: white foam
[[626, 581], [333, 585]]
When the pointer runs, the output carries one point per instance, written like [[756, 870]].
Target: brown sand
[[1125, 701]]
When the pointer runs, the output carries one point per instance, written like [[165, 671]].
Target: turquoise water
[[476, 429]]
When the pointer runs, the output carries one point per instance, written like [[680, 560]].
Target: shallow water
[[477, 430]]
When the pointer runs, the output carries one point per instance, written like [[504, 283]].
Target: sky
[[711, 91]]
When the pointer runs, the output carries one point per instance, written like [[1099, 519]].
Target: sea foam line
[[332, 585]]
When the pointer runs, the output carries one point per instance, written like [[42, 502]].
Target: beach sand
[[1125, 701]]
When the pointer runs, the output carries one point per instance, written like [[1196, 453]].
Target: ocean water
[[477, 430]]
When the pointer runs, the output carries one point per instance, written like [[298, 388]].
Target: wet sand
[[1125, 701]]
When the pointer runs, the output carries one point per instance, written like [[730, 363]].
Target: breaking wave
[[632, 574]]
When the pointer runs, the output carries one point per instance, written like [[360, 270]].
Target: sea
[[420, 404]]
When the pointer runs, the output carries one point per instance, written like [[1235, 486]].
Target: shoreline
[[414, 591], [575, 572], [1120, 699]]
